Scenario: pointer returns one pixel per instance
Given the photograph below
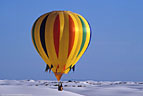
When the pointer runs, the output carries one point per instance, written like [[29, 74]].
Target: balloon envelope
[[61, 38]]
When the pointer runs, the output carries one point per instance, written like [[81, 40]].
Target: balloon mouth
[[58, 75]]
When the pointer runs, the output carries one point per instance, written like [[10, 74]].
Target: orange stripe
[[56, 34], [71, 34]]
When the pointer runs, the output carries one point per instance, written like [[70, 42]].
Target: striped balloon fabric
[[61, 38]]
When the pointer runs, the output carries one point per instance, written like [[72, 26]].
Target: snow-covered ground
[[71, 88]]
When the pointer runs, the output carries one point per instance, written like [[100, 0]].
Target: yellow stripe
[[77, 42], [50, 40], [61, 15], [62, 22], [64, 43], [37, 39], [87, 38]]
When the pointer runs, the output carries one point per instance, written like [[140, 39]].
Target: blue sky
[[115, 52]]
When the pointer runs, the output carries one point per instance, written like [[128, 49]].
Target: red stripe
[[57, 34], [57, 68], [71, 34]]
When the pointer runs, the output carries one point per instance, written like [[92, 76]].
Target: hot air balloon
[[61, 38]]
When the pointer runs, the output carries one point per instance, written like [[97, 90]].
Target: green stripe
[[84, 35], [33, 30]]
